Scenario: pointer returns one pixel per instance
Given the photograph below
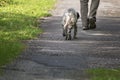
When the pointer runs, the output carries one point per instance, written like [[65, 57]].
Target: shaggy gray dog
[[69, 22]]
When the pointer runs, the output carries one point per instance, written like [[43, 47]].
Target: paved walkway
[[50, 57]]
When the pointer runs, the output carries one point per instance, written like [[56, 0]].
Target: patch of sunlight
[[50, 50], [96, 33], [53, 41], [110, 47], [101, 34], [53, 79]]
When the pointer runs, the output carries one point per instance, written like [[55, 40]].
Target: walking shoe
[[92, 24], [86, 28]]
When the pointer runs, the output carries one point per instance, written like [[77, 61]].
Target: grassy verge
[[13, 47], [104, 74], [18, 21]]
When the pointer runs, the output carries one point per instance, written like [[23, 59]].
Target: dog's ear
[[78, 15]]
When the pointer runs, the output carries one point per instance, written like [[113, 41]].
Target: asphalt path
[[51, 57]]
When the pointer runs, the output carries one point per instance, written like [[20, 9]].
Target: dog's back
[[69, 18], [69, 21]]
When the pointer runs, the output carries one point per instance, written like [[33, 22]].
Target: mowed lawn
[[18, 22]]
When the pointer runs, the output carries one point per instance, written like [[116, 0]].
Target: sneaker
[[85, 28], [92, 24]]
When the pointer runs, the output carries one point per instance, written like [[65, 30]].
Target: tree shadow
[[107, 27], [108, 24]]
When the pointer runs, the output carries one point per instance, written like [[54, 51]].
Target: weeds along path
[[50, 57], [18, 22]]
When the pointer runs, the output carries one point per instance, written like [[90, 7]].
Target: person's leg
[[93, 12], [84, 13]]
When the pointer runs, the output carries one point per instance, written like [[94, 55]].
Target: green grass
[[19, 21], [104, 74], [14, 47], [5, 2]]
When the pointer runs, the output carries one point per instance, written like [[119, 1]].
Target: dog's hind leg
[[75, 31], [64, 32]]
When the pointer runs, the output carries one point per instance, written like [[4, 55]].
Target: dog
[[69, 22]]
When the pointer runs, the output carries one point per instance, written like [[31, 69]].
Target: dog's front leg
[[69, 34]]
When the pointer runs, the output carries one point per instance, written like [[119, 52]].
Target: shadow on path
[[50, 57]]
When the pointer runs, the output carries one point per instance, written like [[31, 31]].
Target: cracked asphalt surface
[[50, 57]]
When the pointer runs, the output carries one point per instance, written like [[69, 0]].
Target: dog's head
[[72, 11]]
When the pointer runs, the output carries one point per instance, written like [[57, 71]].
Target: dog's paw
[[68, 37]]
